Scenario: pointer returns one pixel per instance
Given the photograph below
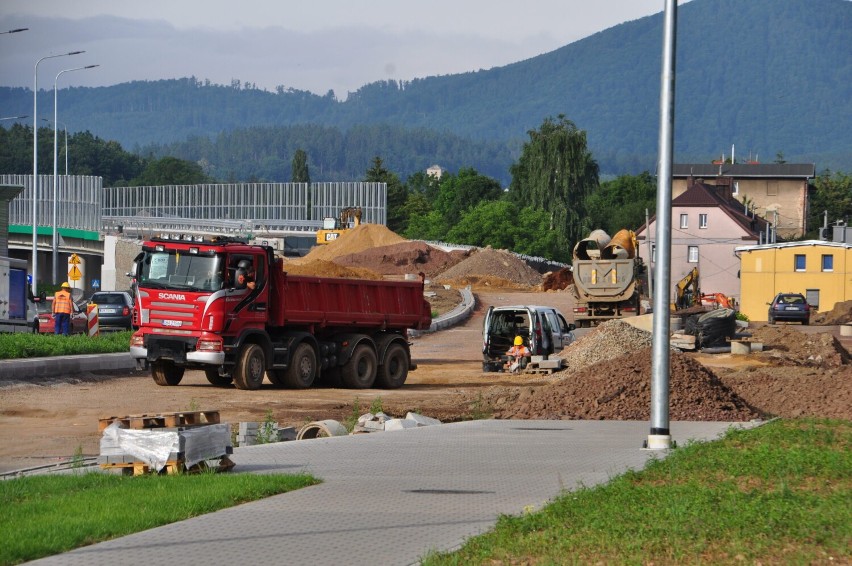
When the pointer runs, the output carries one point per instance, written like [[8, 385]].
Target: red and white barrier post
[[92, 316]]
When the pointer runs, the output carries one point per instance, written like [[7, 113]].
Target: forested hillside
[[769, 76]]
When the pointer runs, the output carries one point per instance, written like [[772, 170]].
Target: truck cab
[[543, 329]]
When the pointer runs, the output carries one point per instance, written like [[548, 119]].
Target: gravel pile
[[490, 267], [608, 340]]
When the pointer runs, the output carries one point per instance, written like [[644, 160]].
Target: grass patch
[[28, 345], [45, 515], [777, 494]]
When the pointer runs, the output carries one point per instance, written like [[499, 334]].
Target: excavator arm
[[684, 296]]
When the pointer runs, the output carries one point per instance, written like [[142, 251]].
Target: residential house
[[707, 226], [435, 171], [820, 270], [777, 192]]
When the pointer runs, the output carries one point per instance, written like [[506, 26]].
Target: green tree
[[397, 194], [300, 172], [556, 173], [833, 194], [620, 203], [170, 171], [458, 193]]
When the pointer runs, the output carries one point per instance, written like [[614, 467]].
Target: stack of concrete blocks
[[553, 363], [250, 431], [370, 422], [156, 446]]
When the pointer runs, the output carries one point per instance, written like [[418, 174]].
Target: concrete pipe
[[321, 429]]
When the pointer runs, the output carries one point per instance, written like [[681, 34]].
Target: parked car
[[543, 330], [115, 309], [789, 306], [46, 325]]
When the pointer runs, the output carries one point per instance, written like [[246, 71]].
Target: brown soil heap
[[402, 258], [558, 280], [492, 268], [840, 314], [620, 389], [789, 347]]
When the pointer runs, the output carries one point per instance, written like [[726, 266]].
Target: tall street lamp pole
[[35, 164], [55, 240]]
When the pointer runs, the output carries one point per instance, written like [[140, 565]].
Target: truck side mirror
[[571, 327]]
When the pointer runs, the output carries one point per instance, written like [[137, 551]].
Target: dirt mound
[[403, 257], [557, 280], [620, 389], [322, 268], [787, 346], [608, 340], [352, 241], [840, 314], [492, 268]]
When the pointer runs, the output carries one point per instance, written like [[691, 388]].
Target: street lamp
[[55, 249], [35, 164], [14, 30], [13, 118]]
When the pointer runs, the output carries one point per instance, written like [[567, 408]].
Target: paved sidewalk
[[391, 497]]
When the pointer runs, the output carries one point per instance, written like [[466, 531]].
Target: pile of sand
[[490, 267], [323, 268], [364, 237]]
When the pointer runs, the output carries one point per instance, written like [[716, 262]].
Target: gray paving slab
[[391, 497]]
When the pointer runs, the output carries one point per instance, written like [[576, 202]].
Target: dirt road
[[49, 422]]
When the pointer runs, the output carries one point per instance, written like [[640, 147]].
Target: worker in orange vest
[[62, 308]]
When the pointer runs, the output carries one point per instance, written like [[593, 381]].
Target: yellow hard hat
[[65, 284], [518, 340]]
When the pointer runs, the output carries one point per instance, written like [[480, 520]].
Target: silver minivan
[[543, 329]]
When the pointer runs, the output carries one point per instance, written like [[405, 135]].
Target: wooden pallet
[[171, 467], [166, 420], [542, 371]]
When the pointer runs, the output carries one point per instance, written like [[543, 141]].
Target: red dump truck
[[228, 308]]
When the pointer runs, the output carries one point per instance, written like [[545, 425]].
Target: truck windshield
[[173, 269]]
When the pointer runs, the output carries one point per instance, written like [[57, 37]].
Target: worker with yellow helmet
[[517, 354], [62, 308]]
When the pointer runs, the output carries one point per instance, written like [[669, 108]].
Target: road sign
[[74, 260], [96, 283], [74, 273]]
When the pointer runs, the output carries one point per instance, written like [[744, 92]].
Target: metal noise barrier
[[92, 317]]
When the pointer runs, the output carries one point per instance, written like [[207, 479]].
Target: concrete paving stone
[[436, 486]]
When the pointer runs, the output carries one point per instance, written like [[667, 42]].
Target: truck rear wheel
[[166, 373], [303, 368], [394, 369], [360, 371], [216, 379], [250, 368]]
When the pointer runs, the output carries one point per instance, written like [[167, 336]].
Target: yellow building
[[821, 271]]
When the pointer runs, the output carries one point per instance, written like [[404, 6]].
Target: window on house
[[693, 254], [772, 188], [828, 262], [702, 221], [735, 188], [684, 221], [653, 252], [799, 262]]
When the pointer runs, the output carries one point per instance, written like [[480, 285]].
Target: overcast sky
[[316, 45]]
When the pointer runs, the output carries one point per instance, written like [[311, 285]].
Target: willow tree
[[555, 173]]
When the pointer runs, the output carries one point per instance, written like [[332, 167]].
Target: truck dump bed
[[333, 302], [605, 279]]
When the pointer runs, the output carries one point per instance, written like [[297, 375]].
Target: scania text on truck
[[228, 308]]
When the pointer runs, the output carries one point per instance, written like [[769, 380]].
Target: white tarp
[[154, 446]]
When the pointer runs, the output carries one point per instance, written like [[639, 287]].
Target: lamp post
[[14, 30], [35, 164], [55, 246], [13, 118]]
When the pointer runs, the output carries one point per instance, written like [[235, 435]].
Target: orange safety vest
[[62, 302], [518, 351]]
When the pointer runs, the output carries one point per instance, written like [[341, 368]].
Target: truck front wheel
[[166, 373], [303, 367], [360, 371], [250, 368], [216, 379], [394, 369]]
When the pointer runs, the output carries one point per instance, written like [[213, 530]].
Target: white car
[[544, 331]]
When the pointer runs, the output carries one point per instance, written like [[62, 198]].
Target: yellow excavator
[[332, 228], [687, 293]]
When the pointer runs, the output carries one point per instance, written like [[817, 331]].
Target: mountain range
[[770, 78]]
